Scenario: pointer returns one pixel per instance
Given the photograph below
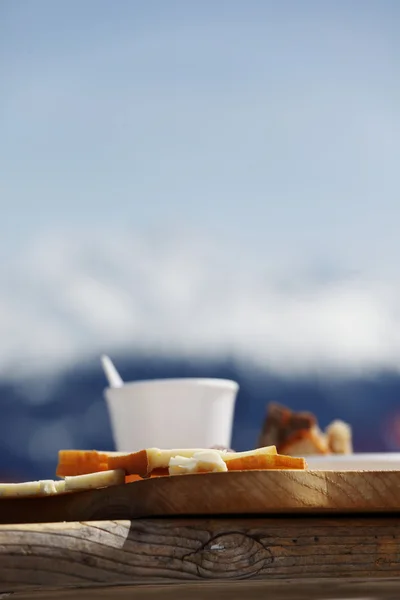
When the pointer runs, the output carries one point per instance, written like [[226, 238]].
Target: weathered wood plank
[[328, 589], [172, 550]]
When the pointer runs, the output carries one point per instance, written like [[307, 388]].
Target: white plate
[[387, 461]]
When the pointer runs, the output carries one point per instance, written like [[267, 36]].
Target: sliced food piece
[[206, 461], [60, 486], [293, 433], [281, 424], [94, 480], [157, 461], [298, 433], [15, 490], [144, 463], [132, 478], [305, 443], [133, 463], [340, 439], [266, 461], [156, 473], [47, 487], [82, 462]]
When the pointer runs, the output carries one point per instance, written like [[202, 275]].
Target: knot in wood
[[231, 556]]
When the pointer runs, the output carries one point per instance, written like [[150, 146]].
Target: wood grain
[[328, 589], [252, 492], [157, 551]]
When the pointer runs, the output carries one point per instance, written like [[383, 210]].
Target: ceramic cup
[[172, 413]]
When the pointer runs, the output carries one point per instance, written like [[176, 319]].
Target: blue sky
[[269, 130]]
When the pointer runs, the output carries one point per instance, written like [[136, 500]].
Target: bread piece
[[298, 434], [306, 442], [282, 424], [339, 437]]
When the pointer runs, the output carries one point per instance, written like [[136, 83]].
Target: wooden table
[[280, 557]]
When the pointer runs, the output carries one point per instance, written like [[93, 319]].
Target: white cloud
[[69, 297]]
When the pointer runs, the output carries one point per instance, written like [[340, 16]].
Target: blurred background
[[197, 189]]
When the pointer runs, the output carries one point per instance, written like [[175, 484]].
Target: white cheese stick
[[15, 490], [94, 480], [48, 487]]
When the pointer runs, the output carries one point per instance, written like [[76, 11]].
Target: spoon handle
[[113, 377]]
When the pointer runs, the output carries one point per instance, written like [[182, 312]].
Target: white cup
[[172, 413]]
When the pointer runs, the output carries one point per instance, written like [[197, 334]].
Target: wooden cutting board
[[241, 492]]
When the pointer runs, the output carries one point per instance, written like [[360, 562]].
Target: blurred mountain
[[38, 419]]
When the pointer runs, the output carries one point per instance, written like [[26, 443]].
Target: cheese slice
[[142, 463], [204, 461], [60, 486], [82, 462], [153, 459], [15, 490], [48, 487], [94, 480]]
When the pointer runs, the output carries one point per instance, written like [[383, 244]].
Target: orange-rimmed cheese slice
[[266, 461]]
